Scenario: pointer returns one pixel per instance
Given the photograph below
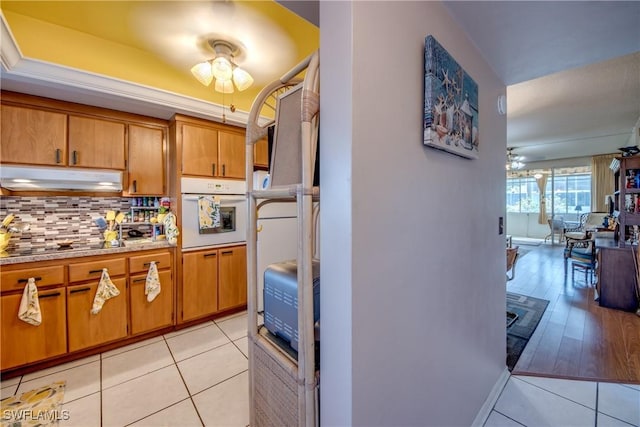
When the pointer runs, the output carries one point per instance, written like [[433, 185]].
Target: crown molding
[[30, 71], [10, 52]]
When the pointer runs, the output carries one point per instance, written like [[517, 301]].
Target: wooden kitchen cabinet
[[261, 154], [146, 165], [199, 150], [232, 279], [231, 155], [33, 136], [89, 330], [111, 323], [23, 343], [92, 270], [212, 152], [148, 316], [96, 143], [14, 280], [199, 284], [67, 289], [213, 281]]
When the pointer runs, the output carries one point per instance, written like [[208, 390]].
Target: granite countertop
[[81, 251]]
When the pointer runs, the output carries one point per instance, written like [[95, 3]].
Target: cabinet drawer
[[17, 279], [93, 270], [141, 263]]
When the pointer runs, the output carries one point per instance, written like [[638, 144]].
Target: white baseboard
[[485, 411]]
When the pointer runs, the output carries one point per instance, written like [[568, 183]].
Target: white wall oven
[[229, 196]]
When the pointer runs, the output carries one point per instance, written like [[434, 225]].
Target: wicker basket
[[275, 391]]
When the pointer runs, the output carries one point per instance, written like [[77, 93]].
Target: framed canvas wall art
[[450, 103]]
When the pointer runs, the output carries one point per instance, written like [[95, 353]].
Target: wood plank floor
[[576, 338]]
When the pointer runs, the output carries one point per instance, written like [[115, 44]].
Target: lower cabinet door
[[147, 316], [89, 330], [199, 284], [232, 281], [23, 343]]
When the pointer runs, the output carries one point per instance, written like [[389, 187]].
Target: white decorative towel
[[29, 310], [208, 213], [170, 228], [106, 290], [152, 285]]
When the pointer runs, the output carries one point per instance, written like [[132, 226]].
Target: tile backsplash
[[56, 218]]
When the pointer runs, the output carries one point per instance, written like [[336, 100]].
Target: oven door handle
[[222, 201]]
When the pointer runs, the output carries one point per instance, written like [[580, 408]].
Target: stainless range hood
[[33, 178]]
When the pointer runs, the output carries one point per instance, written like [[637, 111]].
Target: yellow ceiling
[[155, 43]]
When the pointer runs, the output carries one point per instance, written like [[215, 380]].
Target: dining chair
[[512, 257], [556, 226], [582, 254]]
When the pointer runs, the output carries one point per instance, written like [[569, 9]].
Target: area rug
[[38, 407], [529, 311], [522, 251]]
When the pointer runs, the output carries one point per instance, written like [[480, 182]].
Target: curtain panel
[[601, 181], [542, 185]]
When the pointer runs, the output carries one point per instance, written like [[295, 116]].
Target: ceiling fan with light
[[514, 162], [223, 69]]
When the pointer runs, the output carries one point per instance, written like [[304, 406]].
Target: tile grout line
[[561, 396], [508, 417], [184, 382], [493, 409], [220, 382], [604, 413]]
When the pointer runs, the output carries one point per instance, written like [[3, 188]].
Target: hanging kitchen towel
[[106, 290], [29, 310], [208, 213], [152, 285], [170, 228]]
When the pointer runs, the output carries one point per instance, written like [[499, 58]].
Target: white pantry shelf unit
[[283, 389]]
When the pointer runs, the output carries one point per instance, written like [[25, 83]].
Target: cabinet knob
[[58, 155], [135, 185], [213, 169], [223, 170], [75, 157]]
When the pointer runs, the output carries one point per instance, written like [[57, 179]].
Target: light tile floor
[[198, 376], [192, 377], [539, 401]]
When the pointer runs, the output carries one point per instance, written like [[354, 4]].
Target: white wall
[[526, 225], [413, 286]]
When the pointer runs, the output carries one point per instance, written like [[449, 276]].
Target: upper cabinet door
[[199, 151], [33, 136], [261, 153], [232, 155], [146, 161], [96, 143]]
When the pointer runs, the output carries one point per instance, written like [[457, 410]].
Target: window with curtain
[[571, 189], [523, 194], [571, 195]]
